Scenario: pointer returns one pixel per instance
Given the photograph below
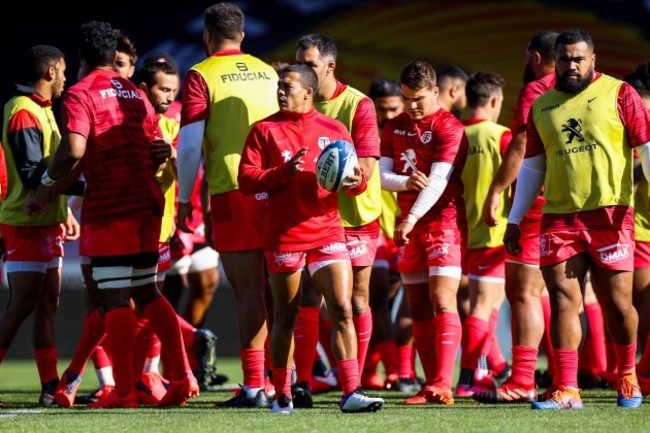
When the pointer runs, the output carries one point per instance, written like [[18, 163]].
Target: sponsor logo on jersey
[[410, 160], [244, 76], [286, 258], [335, 247], [614, 252], [437, 250], [262, 196], [119, 92], [357, 249], [550, 107], [573, 128]]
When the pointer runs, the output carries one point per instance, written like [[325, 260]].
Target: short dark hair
[[37, 61], [326, 46], [383, 86], [225, 20], [307, 75], [147, 73], [574, 36], [640, 79], [161, 56], [125, 45], [449, 73], [418, 75], [544, 43], [98, 43], [482, 86]]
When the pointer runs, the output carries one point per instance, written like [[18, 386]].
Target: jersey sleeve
[[451, 135], [506, 138], [75, 115], [534, 145], [634, 115], [255, 175], [25, 139], [364, 130], [195, 99]]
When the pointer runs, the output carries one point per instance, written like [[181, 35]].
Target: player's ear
[[331, 65]]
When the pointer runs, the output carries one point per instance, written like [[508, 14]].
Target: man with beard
[[588, 220], [524, 283]]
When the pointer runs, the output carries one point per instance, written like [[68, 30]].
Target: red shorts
[[292, 261], [530, 229], [609, 249], [362, 243], [32, 243], [164, 257], [642, 255], [387, 253], [120, 238], [441, 247], [237, 220], [486, 262]]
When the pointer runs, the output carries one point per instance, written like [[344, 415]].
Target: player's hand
[[71, 228], [41, 200], [161, 150], [511, 239], [401, 234], [351, 182], [184, 213], [417, 181], [296, 161], [490, 209]]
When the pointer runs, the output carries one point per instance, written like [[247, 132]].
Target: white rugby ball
[[335, 163]]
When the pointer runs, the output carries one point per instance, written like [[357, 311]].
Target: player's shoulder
[[330, 122], [398, 125]]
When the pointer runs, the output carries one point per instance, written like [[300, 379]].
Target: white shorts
[[205, 258]]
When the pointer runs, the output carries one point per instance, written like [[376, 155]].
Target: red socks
[[305, 337], [475, 332], [566, 367], [448, 335], [524, 359], [120, 336], [164, 322], [424, 334], [363, 326], [46, 364], [349, 375], [252, 364], [92, 335]]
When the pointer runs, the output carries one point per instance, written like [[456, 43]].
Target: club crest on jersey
[[286, 155], [573, 128], [322, 142], [426, 137], [545, 245]]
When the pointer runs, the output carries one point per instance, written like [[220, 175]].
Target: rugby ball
[[335, 163]]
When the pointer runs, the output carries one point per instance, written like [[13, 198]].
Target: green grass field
[[19, 388]]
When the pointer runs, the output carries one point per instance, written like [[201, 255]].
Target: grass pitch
[[19, 388]]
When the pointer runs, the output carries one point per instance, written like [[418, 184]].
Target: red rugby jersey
[[119, 124], [439, 137], [302, 215]]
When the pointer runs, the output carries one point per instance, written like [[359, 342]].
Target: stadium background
[[373, 38]]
